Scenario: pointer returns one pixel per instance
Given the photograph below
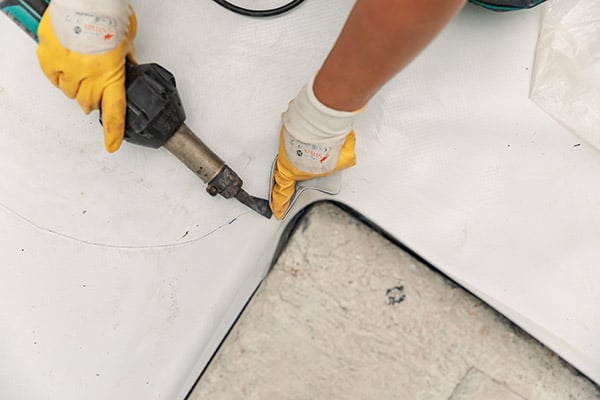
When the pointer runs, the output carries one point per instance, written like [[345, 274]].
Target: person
[[83, 45], [379, 38]]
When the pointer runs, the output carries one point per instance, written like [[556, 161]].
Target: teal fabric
[[507, 5], [24, 18]]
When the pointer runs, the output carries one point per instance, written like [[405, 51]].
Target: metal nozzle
[[212, 170], [259, 205], [192, 151]]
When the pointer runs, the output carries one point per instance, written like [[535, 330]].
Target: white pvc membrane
[[120, 275]]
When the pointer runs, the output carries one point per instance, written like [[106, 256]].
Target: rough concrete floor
[[345, 314]]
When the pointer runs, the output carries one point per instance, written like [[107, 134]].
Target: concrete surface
[[346, 314]]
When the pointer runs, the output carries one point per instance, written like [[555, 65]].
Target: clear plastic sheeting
[[566, 76]]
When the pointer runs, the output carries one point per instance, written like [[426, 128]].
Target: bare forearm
[[379, 38]]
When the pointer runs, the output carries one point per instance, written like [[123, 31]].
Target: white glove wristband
[[313, 133], [310, 121], [90, 26]]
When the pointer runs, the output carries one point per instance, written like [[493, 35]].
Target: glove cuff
[[310, 121], [90, 26]]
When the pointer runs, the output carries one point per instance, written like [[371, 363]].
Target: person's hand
[[314, 141], [82, 49]]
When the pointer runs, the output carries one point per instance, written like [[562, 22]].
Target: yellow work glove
[[314, 141], [82, 49]]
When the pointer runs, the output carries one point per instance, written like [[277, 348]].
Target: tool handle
[[155, 115], [154, 110], [25, 13]]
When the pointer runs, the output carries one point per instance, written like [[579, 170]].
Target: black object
[[259, 13], [154, 109]]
